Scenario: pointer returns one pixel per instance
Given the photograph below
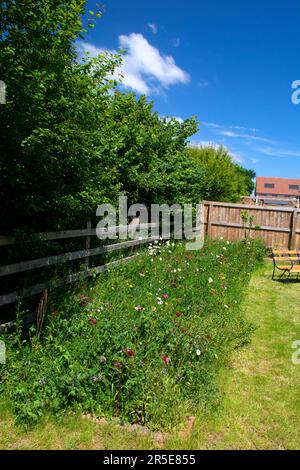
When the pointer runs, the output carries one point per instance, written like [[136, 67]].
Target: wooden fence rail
[[86, 254], [86, 232]]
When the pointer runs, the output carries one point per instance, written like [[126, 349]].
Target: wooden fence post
[[292, 238], [88, 244], [208, 218]]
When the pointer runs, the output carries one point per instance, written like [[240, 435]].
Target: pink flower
[[138, 308], [84, 300], [165, 296], [117, 364], [93, 321], [166, 359]]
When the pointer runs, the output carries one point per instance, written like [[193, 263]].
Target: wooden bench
[[287, 262]]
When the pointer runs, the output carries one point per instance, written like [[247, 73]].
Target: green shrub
[[144, 343]]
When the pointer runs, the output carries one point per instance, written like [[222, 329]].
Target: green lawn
[[261, 405]]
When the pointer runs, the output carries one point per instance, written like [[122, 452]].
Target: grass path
[[261, 406]]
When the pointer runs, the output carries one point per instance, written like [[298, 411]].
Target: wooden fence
[[85, 254], [279, 227]]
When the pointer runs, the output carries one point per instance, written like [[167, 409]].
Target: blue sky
[[230, 63]]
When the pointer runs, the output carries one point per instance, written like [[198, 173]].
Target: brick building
[[281, 188]]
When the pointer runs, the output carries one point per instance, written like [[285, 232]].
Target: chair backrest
[[286, 255]]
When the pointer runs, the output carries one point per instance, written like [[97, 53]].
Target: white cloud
[[236, 135], [144, 68], [211, 124], [145, 62], [241, 128], [272, 152], [274, 149], [153, 27], [219, 126]]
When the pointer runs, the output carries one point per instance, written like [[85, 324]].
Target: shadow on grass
[[287, 280]]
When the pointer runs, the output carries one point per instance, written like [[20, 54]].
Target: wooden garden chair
[[287, 262]]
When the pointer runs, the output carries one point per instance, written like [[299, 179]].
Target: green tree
[[223, 179], [151, 156], [54, 163], [68, 141]]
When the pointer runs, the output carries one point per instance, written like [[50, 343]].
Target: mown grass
[[260, 408]]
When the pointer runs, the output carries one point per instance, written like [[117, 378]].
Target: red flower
[[166, 359], [129, 352], [93, 321], [178, 314]]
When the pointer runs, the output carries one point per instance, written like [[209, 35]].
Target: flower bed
[[144, 343]]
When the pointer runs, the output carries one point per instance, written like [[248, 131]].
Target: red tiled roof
[[281, 186]]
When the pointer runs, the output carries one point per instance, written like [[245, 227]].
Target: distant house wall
[[278, 196]]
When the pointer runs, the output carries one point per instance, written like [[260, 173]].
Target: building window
[[294, 186], [269, 185]]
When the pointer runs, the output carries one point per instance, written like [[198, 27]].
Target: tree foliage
[[70, 140], [53, 162], [223, 179]]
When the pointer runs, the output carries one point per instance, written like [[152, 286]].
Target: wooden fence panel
[[279, 226]]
